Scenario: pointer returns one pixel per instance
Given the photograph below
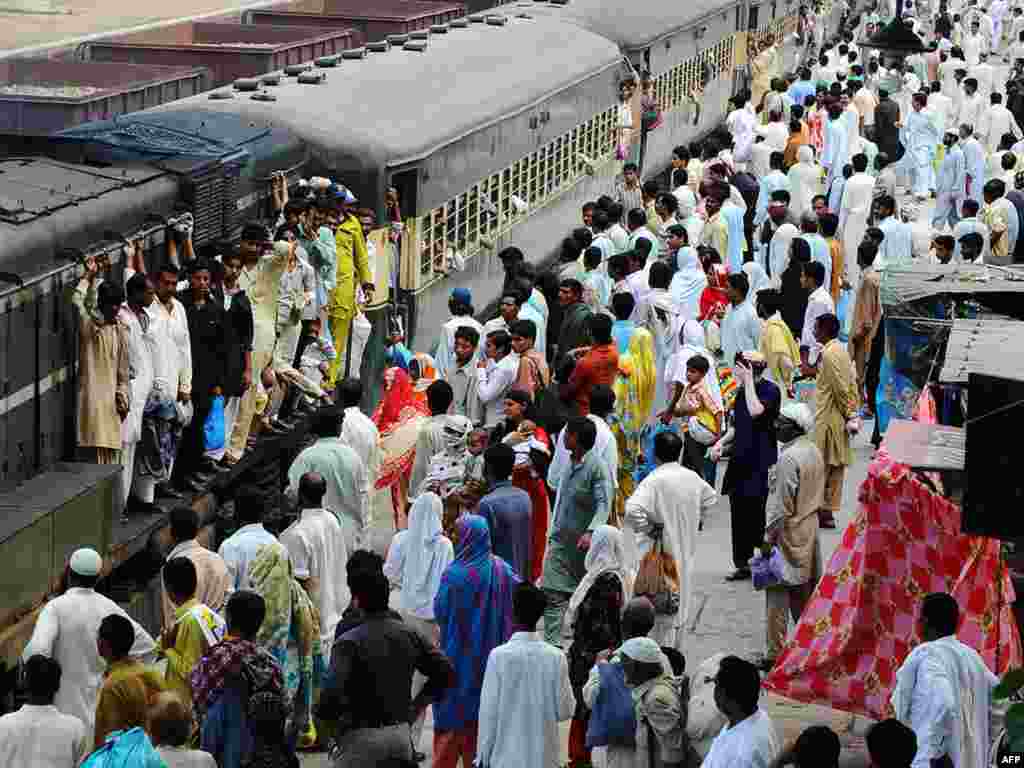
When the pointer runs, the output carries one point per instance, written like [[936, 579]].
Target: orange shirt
[[598, 366], [838, 268]]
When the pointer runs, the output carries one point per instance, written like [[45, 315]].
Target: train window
[[752, 19], [472, 228]]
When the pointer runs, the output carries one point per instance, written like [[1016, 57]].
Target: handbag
[[213, 427], [658, 578]]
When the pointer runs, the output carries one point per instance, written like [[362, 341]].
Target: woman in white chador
[[804, 181]]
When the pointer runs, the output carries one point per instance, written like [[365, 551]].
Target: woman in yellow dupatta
[[780, 350], [634, 387]]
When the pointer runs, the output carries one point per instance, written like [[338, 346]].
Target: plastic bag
[[213, 427], [658, 578], [766, 571], [844, 311]]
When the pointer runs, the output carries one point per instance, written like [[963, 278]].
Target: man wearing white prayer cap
[[796, 488], [66, 631], [657, 703]]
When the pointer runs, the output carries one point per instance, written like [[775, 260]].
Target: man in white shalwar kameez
[[836, 151], [66, 631], [998, 122], [670, 502], [526, 693], [804, 181], [741, 123], [775, 180], [853, 214], [944, 691], [143, 353], [359, 432], [920, 137]]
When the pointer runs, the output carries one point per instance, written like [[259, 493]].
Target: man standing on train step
[[353, 264]]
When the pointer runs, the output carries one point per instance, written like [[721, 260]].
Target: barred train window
[[486, 210]]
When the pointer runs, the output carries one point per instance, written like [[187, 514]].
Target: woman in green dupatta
[[291, 633]]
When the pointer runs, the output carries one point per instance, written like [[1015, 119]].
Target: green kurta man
[[584, 500]]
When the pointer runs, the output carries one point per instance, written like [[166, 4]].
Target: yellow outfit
[[778, 344], [353, 264], [129, 689], [189, 647]]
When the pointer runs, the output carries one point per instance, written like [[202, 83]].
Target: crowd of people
[[550, 470]]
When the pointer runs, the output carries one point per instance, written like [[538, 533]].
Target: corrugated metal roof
[[920, 281], [992, 347], [400, 106], [926, 446]]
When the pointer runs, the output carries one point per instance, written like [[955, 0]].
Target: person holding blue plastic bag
[[796, 488], [207, 328]]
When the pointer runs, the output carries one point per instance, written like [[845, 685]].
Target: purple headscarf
[[473, 608]]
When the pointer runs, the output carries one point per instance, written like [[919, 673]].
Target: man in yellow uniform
[[353, 263]]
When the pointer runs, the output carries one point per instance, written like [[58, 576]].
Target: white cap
[[800, 413], [86, 562], [642, 649]]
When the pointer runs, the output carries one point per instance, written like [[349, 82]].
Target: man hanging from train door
[[353, 262]]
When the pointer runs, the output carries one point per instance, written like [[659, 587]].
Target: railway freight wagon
[[50, 212]]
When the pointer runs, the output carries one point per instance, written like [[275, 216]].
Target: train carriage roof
[[634, 25], [629, 24], [399, 107]]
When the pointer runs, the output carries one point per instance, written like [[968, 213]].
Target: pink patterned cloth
[[860, 623]]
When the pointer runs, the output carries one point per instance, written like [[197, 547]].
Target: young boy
[[702, 414], [195, 629], [129, 687], [943, 247], [318, 354], [597, 286]]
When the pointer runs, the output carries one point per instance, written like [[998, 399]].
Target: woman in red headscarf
[[398, 418], [714, 296]]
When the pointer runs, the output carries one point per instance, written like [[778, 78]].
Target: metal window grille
[[485, 211]]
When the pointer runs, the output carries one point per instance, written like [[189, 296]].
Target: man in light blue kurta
[[920, 137], [950, 185], [820, 252], [345, 475], [741, 327], [775, 180], [732, 214]]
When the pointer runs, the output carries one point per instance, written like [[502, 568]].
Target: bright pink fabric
[[860, 623]]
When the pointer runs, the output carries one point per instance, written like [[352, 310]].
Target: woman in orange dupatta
[[423, 372], [398, 418]]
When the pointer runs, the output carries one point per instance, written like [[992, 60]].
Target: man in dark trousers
[[207, 329], [887, 132], [753, 450], [239, 330], [379, 655]]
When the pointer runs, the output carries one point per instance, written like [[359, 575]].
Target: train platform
[[36, 27]]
